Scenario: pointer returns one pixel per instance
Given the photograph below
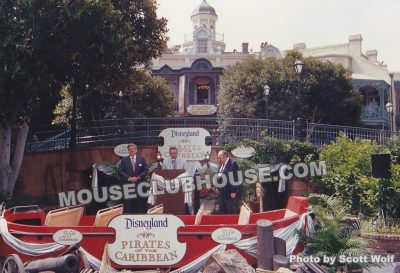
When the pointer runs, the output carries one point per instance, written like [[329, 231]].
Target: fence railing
[[146, 132]]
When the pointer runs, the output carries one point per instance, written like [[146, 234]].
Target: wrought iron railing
[[374, 114], [320, 134], [146, 132]]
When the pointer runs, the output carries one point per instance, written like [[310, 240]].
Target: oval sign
[[243, 152], [190, 142], [226, 235], [141, 240], [121, 150], [202, 109], [67, 237]]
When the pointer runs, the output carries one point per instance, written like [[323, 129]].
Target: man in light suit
[[174, 162], [133, 169], [229, 195]]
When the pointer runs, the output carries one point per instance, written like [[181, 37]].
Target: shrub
[[349, 176], [333, 235]]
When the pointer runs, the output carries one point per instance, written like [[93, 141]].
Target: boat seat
[[199, 215], [159, 209], [244, 215], [64, 217], [104, 216], [289, 213]]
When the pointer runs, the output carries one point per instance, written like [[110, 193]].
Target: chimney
[[355, 44], [372, 55], [299, 46], [245, 47]]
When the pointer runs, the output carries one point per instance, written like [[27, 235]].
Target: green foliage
[[93, 47], [62, 112], [334, 236], [145, 96], [348, 165], [90, 46], [326, 89], [150, 97], [381, 225], [390, 189], [349, 177], [394, 146], [274, 151], [300, 151], [23, 79]]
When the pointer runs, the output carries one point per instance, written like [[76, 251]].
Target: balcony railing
[[374, 114], [188, 37]]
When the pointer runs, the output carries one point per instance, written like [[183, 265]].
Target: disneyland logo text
[[189, 184], [186, 134], [148, 224]]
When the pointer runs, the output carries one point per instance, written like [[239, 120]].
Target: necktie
[[222, 168], [174, 164], [133, 163]]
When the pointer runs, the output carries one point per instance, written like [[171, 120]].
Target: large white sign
[[190, 142], [202, 109], [146, 240]]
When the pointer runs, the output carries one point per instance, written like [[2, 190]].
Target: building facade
[[194, 70], [370, 77]]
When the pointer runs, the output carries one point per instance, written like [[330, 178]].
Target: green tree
[[326, 89], [23, 80], [96, 45], [83, 44], [146, 96]]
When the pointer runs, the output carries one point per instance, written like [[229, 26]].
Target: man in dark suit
[[229, 195], [133, 169]]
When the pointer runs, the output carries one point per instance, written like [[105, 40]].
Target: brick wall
[[384, 244]]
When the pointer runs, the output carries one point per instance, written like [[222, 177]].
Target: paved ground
[[389, 268]]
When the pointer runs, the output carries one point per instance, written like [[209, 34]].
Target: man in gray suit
[[174, 162]]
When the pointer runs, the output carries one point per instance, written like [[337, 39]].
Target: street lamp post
[[298, 67], [120, 95], [266, 93], [389, 109]]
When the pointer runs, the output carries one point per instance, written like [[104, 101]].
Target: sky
[[284, 23]]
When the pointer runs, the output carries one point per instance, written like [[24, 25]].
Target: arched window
[[201, 64]]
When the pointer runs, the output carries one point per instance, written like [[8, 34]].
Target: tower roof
[[204, 8]]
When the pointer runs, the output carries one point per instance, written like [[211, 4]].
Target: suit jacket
[[233, 167], [125, 169], [180, 164]]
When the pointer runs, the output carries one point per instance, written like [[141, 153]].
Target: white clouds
[[286, 22]]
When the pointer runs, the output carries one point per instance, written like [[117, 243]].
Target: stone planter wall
[[384, 244]]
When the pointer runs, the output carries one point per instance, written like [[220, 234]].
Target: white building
[[370, 77], [195, 68]]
